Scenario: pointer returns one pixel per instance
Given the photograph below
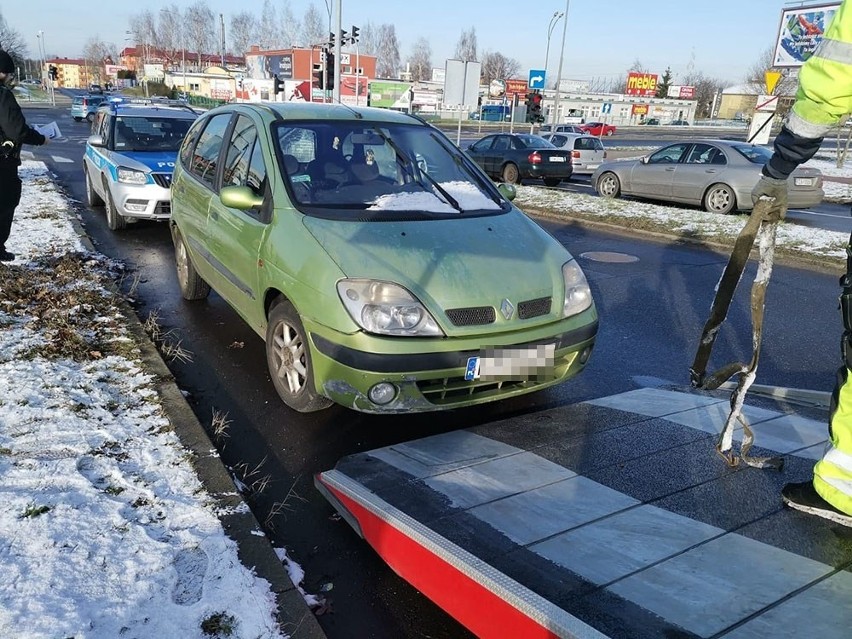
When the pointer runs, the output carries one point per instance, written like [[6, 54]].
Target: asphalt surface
[[652, 310]]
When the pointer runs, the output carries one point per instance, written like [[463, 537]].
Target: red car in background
[[597, 128]]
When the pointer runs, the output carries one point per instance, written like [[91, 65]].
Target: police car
[[130, 156]]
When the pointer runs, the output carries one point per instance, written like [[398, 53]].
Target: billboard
[[681, 91], [639, 109], [516, 87], [641, 84], [390, 95], [263, 67], [800, 33]]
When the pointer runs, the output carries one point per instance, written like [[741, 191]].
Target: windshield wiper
[[406, 162], [462, 161]]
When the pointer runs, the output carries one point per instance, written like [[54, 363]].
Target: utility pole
[[559, 72], [222, 21], [338, 48]]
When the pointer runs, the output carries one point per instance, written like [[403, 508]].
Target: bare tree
[[267, 32], [420, 60], [706, 89], [637, 67], [12, 42], [496, 66], [387, 64], [243, 27], [97, 53], [143, 29], [756, 74], [466, 46], [291, 28], [201, 28], [170, 37], [313, 27], [369, 39]]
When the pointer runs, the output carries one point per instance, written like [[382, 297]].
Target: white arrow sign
[[536, 79]]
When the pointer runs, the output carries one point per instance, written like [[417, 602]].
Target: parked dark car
[[651, 122], [511, 157]]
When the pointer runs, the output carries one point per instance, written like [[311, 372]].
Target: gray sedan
[[716, 174]]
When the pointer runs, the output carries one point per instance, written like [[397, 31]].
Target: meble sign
[[641, 83]]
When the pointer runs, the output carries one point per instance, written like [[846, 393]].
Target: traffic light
[[277, 85], [534, 114], [355, 31], [330, 40], [344, 37], [529, 104], [329, 70]]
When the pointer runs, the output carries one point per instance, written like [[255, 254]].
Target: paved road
[[651, 309]]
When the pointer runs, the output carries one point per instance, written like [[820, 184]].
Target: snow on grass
[[105, 529]]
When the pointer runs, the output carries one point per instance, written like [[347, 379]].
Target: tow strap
[[758, 228]]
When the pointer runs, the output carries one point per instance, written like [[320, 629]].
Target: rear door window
[[205, 156]]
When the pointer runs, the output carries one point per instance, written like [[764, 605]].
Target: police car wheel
[[92, 197], [115, 220]]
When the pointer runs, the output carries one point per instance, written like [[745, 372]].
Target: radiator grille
[[473, 316], [534, 308]]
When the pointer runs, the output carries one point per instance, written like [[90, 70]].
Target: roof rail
[[152, 101]]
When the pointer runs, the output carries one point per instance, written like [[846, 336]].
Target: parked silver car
[[716, 174], [587, 151]]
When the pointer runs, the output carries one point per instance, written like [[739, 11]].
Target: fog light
[[382, 393], [584, 356], [137, 206]]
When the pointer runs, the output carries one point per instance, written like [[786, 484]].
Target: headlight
[[129, 176], [386, 309], [578, 296]]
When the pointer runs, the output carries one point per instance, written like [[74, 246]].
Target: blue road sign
[[536, 79], [606, 107]]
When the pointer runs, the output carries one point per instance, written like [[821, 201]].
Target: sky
[[723, 39], [103, 522]]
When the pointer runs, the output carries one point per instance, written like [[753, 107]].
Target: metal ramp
[[608, 518]]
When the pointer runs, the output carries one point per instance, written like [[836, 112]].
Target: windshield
[[149, 133], [389, 171], [756, 154]]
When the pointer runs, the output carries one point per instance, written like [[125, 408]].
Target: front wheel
[[609, 133], [289, 359], [115, 220], [92, 198], [511, 174], [720, 198], [192, 287], [608, 185], [90, 117]]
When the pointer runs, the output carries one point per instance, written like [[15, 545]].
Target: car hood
[[153, 161], [452, 263]]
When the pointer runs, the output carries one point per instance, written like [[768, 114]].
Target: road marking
[[59, 158]]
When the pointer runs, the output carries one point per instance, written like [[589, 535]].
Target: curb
[[255, 551]]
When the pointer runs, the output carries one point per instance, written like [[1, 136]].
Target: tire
[[76, 119], [720, 198], [192, 287], [608, 185], [92, 198], [511, 174], [289, 359], [552, 181], [90, 117], [609, 133], [115, 220]]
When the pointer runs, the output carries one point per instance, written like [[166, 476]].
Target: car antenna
[[357, 114]]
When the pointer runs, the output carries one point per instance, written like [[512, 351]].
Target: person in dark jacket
[[14, 131]]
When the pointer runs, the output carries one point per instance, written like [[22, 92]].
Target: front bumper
[[142, 201], [429, 374]]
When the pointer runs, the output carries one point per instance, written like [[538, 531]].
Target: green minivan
[[384, 270]]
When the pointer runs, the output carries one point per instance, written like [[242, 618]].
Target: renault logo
[[507, 309]]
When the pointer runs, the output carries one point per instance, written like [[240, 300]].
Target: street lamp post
[[559, 71], [553, 22]]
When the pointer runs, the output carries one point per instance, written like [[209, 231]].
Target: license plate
[[593, 166], [511, 364], [557, 158], [804, 181]]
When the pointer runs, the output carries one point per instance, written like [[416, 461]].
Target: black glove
[[773, 189]]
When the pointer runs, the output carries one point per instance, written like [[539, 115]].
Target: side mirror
[[96, 140], [508, 191], [644, 159], [240, 197]]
